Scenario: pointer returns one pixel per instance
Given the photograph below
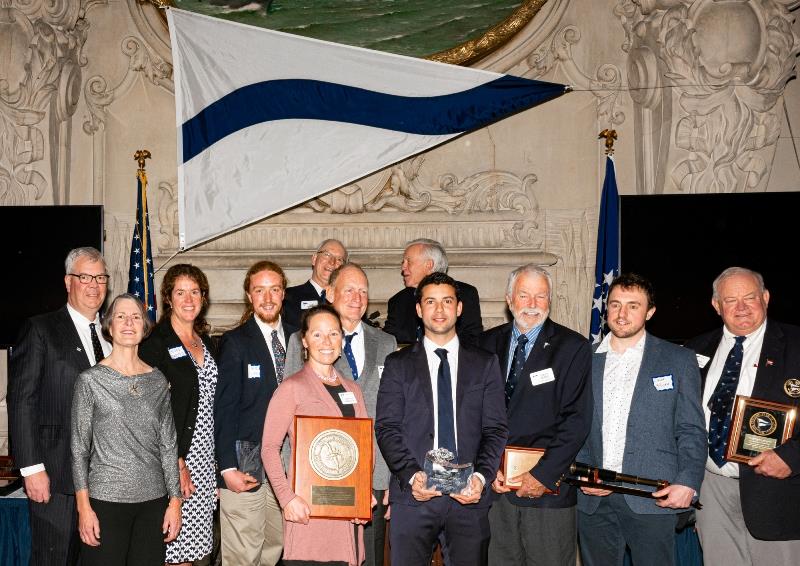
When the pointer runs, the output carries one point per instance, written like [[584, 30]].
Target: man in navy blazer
[[549, 399], [330, 255], [440, 393], [751, 513], [52, 349], [647, 423], [251, 361]]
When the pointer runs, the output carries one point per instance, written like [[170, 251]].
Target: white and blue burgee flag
[[606, 266], [268, 120]]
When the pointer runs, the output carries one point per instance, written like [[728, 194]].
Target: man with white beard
[[549, 404]]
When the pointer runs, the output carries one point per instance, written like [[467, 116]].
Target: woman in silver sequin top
[[124, 452]]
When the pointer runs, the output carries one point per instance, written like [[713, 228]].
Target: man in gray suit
[[364, 351], [647, 423]]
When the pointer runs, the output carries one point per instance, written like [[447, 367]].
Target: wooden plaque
[[332, 464], [518, 460], [756, 426]]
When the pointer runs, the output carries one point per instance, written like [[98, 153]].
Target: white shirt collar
[[751, 338], [81, 320], [266, 329], [451, 346], [605, 345], [317, 287]]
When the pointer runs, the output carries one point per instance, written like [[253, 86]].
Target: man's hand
[[388, 514], [769, 464], [297, 511], [677, 496], [470, 494], [187, 485], [418, 489], [172, 520], [531, 487], [37, 486], [596, 491], [238, 482], [498, 485]]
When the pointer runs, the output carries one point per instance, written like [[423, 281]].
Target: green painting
[[407, 27]]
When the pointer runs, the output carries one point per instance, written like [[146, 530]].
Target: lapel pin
[[546, 344], [769, 362], [78, 349]]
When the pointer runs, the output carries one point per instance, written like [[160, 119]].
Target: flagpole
[[140, 156]]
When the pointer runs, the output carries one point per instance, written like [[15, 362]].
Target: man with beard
[[364, 352], [751, 512], [549, 405], [330, 254], [251, 364], [52, 349], [647, 423]]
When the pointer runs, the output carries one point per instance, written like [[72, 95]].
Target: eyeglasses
[[85, 278], [328, 256]]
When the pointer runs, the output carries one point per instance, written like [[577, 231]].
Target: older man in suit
[[751, 512], [330, 255], [648, 423], [420, 258], [440, 393], [549, 400], [251, 362], [51, 351], [364, 352]]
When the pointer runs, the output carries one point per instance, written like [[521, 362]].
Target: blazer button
[[430, 436]]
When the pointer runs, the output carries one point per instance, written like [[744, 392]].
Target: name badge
[[177, 352], [253, 371], [308, 304], [542, 376], [702, 360], [663, 382], [380, 372], [348, 398]]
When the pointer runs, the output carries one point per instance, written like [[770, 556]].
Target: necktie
[[516, 366], [721, 403], [280, 356], [447, 430], [98, 349], [322, 299], [348, 353]]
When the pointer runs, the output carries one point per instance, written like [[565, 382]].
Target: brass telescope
[[597, 476]]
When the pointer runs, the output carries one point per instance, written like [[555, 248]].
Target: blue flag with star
[[141, 279], [607, 261]]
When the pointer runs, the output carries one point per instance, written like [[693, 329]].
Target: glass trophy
[[443, 474]]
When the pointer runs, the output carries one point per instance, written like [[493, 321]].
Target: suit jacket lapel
[[540, 355], [768, 375], [73, 340], [422, 373], [370, 350], [258, 343]]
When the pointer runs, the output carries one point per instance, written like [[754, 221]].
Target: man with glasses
[[50, 352], [330, 254]]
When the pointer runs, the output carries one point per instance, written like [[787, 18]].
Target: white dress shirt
[[747, 379], [85, 334], [619, 381]]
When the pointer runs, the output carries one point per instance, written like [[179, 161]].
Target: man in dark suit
[[647, 423], [330, 254], [251, 364], [751, 512], [549, 399], [423, 257], [440, 394], [52, 349], [368, 347]]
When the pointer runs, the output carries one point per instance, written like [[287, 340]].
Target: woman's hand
[[187, 486], [172, 520], [297, 511], [88, 525]]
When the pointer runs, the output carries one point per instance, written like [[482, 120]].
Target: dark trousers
[[130, 534], [375, 532], [462, 530], [604, 534], [54, 531]]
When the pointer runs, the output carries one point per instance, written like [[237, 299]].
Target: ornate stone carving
[[41, 79], [167, 215], [605, 85], [706, 105]]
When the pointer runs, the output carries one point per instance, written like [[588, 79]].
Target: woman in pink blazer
[[316, 390]]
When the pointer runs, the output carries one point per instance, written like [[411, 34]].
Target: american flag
[[141, 282], [607, 261]]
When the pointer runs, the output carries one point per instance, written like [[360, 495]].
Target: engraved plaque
[[332, 462], [756, 426]]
